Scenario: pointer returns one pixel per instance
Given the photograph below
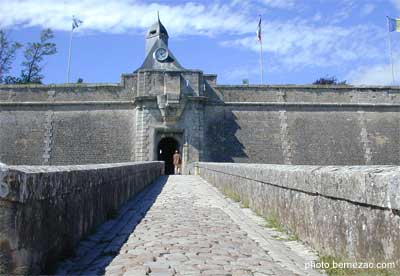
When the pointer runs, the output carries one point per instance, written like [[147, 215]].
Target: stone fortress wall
[[281, 124], [106, 123], [310, 125], [65, 124]]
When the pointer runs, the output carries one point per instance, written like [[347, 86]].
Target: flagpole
[[261, 63], [69, 55], [259, 37], [390, 49]]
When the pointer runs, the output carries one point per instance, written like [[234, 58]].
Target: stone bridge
[[182, 225], [185, 225]]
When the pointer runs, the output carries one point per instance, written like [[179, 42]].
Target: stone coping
[[373, 186], [200, 99], [61, 85], [48, 102], [226, 86], [308, 86], [69, 168], [360, 104], [26, 183]]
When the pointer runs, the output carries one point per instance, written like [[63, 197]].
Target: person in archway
[[177, 162]]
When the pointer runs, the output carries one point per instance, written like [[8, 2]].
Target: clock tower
[[157, 31], [169, 103], [158, 55]]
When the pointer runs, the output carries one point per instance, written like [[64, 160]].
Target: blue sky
[[303, 40]]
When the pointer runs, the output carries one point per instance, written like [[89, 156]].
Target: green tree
[[329, 81], [8, 50], [13, 80], [34, 55]]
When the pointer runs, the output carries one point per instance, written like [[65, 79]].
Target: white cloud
[[396, 3], [279, 3], [317, 17], [124, 16], [367, 9], [380, 74], [300, 44], [241, 73], [258, 5]]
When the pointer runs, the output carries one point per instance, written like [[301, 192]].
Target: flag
[[76, 22], [259, 30], [393, 24]]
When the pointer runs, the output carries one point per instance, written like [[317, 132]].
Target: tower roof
[[156, 45], [151, 62], [157, 29]]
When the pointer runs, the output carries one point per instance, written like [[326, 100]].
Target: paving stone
[[158, 267], [162, 273], [187, 229], [136, 272], [115, 271], [242, 272], [216, 272]]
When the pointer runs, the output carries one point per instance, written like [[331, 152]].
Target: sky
[[302, 40]]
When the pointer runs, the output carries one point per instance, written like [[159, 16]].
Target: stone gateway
[[162, 107]]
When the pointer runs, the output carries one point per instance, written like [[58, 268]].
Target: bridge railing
[[46, 210], [349, 212]]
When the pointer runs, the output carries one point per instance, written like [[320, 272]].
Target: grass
[[271, 221], [279, 238], [331, 270], [235, 197], [231, 194], [293, 237], [258, 213], [245, 203]]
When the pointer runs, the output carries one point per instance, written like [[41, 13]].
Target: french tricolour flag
[[393, 24]]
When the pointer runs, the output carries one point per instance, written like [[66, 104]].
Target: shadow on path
[[95, 252]]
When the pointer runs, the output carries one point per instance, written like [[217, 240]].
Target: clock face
[[161, 54]]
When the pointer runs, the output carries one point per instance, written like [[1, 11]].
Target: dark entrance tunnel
[[165, 151]]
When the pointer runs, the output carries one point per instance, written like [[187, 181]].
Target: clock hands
[[161, 54]]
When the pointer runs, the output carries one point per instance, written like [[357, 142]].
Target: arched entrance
[[165, 151]]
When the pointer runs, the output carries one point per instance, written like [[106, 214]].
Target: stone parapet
[[337, 94], [64, 93], [345, 211], [46, 210]]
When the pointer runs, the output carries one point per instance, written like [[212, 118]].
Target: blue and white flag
[[76, 22]]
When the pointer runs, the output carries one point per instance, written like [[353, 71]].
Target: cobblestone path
[[182, 225]]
